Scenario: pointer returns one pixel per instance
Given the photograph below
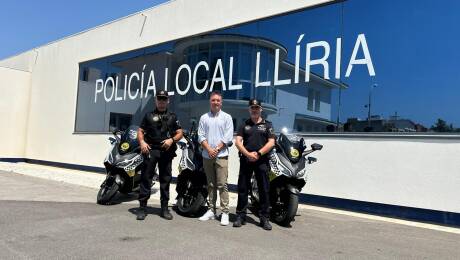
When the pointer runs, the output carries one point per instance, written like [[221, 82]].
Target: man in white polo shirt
[[215, 133]]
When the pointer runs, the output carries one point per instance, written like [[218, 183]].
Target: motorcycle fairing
[[127, 162], [186, 160], [281, 165]]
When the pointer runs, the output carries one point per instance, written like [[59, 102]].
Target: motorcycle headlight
[[284, 170]]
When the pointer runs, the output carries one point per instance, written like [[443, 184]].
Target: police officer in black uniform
[[157, 136], [255, 138]]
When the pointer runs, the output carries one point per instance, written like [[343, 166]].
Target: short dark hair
[[215, 92]]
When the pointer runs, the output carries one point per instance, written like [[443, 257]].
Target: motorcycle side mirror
[[192, 124], [114, 130], [316, 147], [303, 146], [311, 159], [112, 140]]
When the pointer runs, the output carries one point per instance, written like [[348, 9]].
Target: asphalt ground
[[45, 219]]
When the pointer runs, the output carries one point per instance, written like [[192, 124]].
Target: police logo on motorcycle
[[294, 153], [124, 146]]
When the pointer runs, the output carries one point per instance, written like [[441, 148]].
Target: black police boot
[[240, 220], [141, 213], [265, 224], [165, 212]]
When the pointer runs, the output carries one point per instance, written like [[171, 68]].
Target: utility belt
[[222, 157], [155, 141], [240, 154], [156, 145], [263, 159]]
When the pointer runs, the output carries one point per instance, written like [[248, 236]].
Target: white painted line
[[384, 219]]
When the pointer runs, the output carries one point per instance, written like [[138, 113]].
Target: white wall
[[24, 61], [421, 173], [407, 172], [14, 105]]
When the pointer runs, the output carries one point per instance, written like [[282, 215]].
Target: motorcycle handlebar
[[307, 152]]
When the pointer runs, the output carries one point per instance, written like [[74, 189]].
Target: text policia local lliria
[[110, 93]]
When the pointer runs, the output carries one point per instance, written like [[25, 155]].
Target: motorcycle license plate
[[131, 173], [272, 176]]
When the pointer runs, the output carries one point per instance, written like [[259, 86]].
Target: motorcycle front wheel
[[189, 204], [286, 210], [107, 192]]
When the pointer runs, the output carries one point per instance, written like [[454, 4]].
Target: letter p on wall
[[99, 82]]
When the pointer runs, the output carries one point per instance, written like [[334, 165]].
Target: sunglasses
[[255, 107], [162, 98]]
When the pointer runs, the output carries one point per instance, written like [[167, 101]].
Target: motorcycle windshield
[[128, 142], [194, 150], [292, 146]]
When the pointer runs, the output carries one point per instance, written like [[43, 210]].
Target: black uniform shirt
[[255, 136], [159, 126]]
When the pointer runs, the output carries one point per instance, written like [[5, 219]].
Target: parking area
[[42, 218]]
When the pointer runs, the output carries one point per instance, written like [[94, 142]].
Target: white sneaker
[[207, 216], [224, 219]]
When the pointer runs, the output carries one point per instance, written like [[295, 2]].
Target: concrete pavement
[[43, 219]]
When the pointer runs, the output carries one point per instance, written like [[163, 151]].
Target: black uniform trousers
[[260, 168], [163, 159]]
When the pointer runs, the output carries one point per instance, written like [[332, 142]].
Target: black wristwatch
[[258, 153]]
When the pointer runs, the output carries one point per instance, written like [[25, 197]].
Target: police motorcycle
[[123, 165], [288, 175], [191, 181], [191, 186]]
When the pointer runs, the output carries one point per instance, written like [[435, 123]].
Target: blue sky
[[28, 24]]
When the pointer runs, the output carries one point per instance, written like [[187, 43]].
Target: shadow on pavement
[[123, 197], [149, 211]]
